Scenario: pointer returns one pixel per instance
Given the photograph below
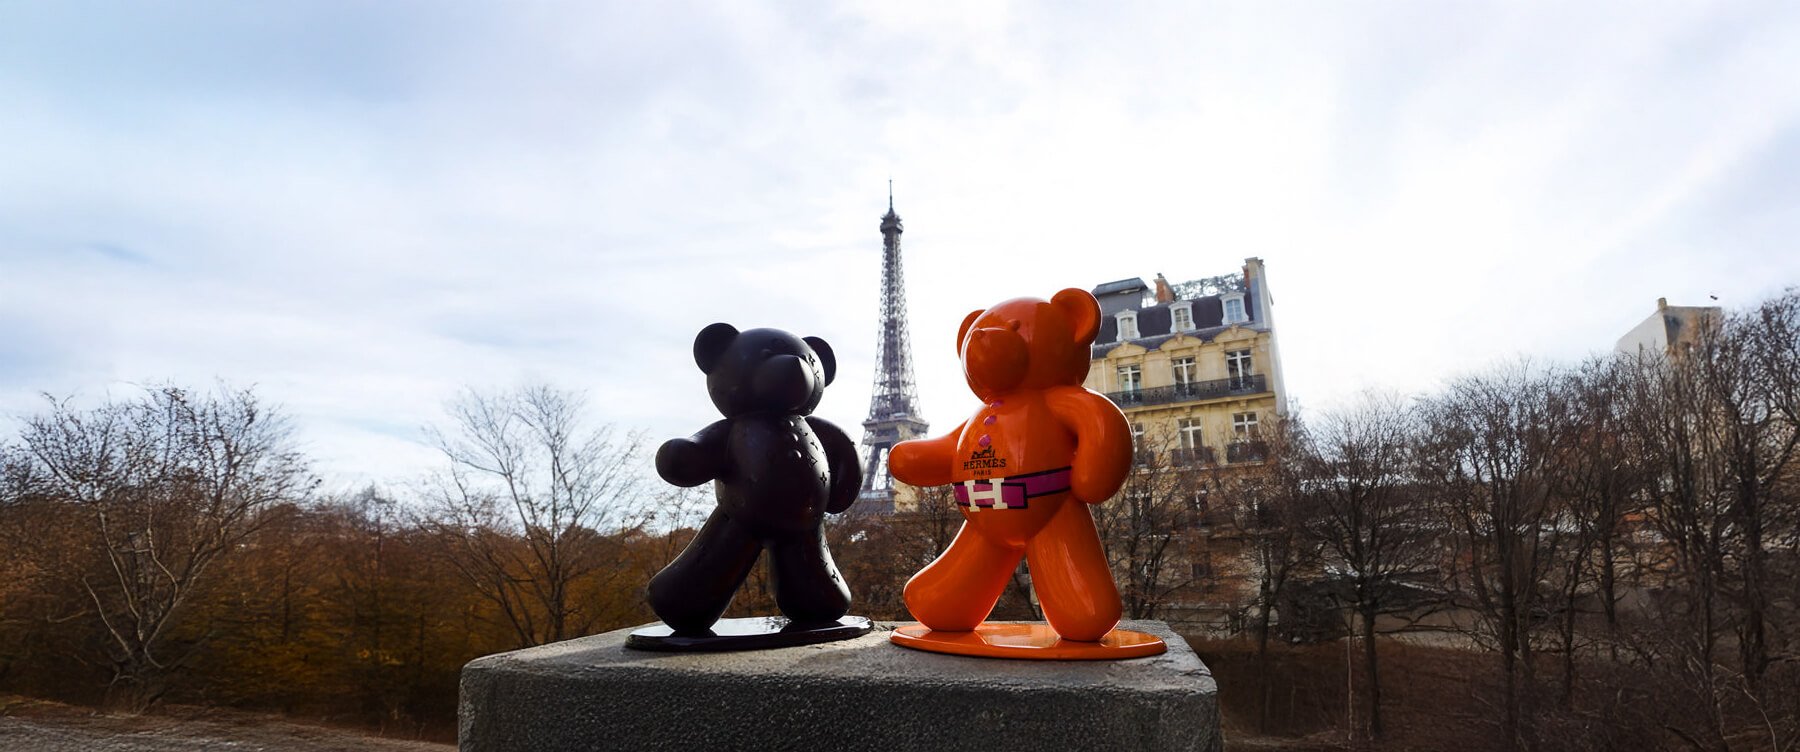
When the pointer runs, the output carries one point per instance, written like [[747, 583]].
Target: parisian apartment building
[[1196, 368]]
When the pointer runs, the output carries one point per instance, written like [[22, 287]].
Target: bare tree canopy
[[1354, 466], [1489, 448], [1145, 530], [169, 482], [531, 506]]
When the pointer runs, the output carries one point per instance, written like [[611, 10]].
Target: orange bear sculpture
[[1024, 468]]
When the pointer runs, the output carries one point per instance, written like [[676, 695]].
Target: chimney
[[1662, 304], [1164, 293]]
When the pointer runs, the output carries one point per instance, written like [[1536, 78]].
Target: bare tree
[[366, 529], [934, 524], [1597, 481], [531, 505], [1668, 413], [674, 514], [16, 474], [1271, 516], [1488, 453], [1747, 368], [1353, 467], [877, 552], [18, 568], [169, 483], [919, 535], [1712, 422], [18, 483], [1152, 529]]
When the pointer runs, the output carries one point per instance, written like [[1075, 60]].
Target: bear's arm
[[695, 459], [1102, 441], [841, 460], [926, 462]]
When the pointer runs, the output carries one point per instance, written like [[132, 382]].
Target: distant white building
[[1669, 329]]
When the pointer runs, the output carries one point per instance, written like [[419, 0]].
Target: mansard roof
[[1155, 324]]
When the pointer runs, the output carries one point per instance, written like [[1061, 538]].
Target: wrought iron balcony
[[1191, 391], [1191, 457], [1246, 451]]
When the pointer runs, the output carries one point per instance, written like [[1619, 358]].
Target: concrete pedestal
[[861, 694]]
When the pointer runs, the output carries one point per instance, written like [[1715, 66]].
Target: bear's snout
[[784, 382], [996, 359]]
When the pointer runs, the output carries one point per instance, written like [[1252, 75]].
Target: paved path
[[152, 734]]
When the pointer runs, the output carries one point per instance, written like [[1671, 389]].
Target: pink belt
[[1010, 493]]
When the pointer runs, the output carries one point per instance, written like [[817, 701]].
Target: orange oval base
[[1028, 642]]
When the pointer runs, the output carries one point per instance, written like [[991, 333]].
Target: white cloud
[[361, 208]]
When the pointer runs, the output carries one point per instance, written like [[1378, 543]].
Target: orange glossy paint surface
[[1025, 358], [1028, 642]]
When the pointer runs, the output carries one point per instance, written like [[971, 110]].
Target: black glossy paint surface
[[776, 471]]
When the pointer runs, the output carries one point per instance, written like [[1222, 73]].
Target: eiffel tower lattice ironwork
[[894, 401]]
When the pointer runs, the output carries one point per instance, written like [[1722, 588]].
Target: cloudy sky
[[359, 208]]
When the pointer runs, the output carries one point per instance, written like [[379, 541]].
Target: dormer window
[[1183, 314], [1127, 325], [1234, 308]]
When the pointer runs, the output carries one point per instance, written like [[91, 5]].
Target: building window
[[1190, 450], [1234, 308], [1237, 368], [1127, 325], [1189, 433], [1130, 379], [1246, 445], [1183, 314], [1243, 426], [1183, 369], [1141, 454]]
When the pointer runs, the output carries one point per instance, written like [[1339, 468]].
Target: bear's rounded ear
[[1082, 311], [711, 344], [827, 361], [962, 332]]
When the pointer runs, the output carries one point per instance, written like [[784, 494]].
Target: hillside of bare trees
[[173, 547], [1607, 550]]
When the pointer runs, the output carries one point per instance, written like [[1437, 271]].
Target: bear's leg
[[956, 592], [691, 593], [807, 585], [1069, 572]]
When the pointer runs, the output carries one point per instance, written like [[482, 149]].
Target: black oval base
[[753, 633]]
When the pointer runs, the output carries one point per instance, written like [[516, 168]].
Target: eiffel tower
[[894, 402]]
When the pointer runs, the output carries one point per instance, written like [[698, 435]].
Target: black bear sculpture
[[776, 471]]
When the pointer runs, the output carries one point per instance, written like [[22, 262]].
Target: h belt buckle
[[995, 492]]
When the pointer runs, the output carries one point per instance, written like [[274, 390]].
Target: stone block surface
[[866, 693]]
